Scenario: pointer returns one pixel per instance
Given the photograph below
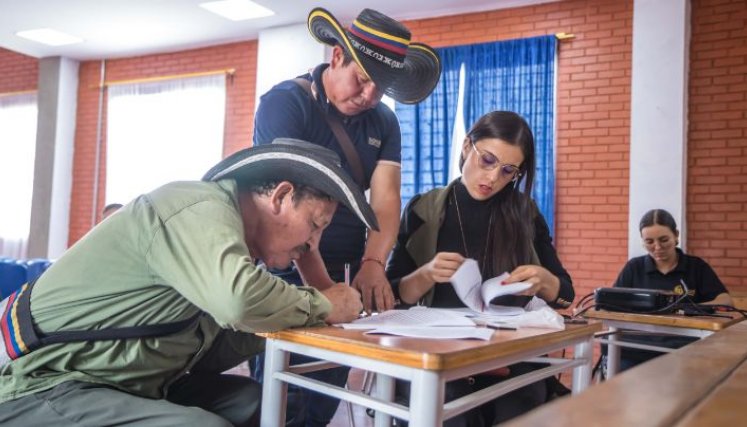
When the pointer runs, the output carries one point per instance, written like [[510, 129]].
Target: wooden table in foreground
[[427, 363], [700, 385], [674, 324]]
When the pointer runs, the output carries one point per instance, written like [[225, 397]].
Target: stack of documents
[[422, 322], [477, 320]]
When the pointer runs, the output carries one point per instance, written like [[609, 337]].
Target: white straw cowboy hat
[[300, 162], [381, 46]]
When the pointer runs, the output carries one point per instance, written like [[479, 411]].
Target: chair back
[[35, 267], [12, 276]]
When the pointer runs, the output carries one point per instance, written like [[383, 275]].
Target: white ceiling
[[123, 28]]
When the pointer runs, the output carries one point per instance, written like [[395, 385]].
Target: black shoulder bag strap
[[33, 339], [343, 139]]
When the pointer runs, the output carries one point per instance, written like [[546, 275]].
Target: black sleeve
[[281, 114], [400, 262], [626, 277], [709, 286], [548, 257]]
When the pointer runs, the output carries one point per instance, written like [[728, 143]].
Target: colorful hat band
[[389, 42], [360, 47], [397, 46]]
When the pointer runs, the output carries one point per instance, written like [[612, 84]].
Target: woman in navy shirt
[[667, 267]]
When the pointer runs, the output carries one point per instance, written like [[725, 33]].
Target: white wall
[[285, 53], [658, 113], [53, 168]]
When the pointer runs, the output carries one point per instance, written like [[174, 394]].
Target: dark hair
[[346, 57], [113, 206], [301, 191], [512, 240], [658, 217]]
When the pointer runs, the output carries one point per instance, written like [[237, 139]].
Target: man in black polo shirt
[[337, 105]]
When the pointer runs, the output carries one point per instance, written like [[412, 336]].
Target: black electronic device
[[635, 300]]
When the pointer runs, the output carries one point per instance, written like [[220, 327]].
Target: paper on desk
[[439, 333], [537, 315], [475, 293], [415, 316]]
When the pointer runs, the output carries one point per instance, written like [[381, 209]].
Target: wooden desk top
[[725, 406], [432, 354], [663, 391], [706, 323]]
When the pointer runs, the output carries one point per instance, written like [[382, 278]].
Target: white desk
[[674, 324], [427, 364]]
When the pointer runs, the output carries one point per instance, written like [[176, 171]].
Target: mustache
[[302, 249]]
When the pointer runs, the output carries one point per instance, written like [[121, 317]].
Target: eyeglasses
[[489, 162]]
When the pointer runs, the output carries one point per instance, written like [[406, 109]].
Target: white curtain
[[17, 146], [160, 132]]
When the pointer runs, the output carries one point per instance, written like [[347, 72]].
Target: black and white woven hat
[[404, 70], [300, 162]]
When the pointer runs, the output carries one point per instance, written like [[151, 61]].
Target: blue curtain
[[515, 75], [519, 76], [427, 128]]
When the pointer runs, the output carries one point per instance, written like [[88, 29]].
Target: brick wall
[[593, 113], [17, 72], [717, 152], [593, 119], [240, 96]]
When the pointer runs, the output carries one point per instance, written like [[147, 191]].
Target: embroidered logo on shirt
[[375, 142], [679, 290]]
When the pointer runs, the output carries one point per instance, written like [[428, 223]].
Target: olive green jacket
[[166, 256]]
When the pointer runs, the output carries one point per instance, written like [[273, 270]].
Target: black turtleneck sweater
[[475, 220]]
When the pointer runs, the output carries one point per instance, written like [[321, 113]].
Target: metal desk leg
[[582, 374], [274, 392], [613, 353], [384, 389], [426, 399]]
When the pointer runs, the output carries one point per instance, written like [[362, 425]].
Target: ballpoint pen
[[493, 325], [347, 273]]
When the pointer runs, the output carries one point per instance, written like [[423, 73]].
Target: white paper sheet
[[475, 293], [537, 315], [416, 316], [439, 333]]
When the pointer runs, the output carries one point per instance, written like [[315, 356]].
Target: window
[[515, 75], [159, 132], [18, 144]]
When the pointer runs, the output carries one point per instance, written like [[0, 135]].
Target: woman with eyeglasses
[[487, 215], [667, 267]]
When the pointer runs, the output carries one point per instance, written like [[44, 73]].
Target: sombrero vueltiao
[[381, 46], [300, 162]]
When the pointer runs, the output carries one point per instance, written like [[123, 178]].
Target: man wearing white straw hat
[[135, 323], [337, 105]]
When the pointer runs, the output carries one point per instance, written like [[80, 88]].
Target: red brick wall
[[717, 151], [593, 119], [240, 94], [593, 110], [17, 72]]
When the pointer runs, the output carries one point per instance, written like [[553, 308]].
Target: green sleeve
[[200, 252]]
